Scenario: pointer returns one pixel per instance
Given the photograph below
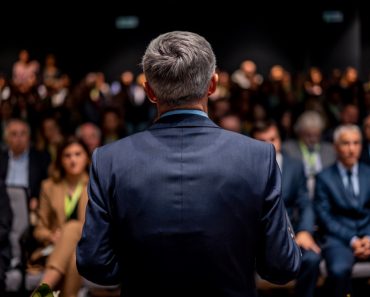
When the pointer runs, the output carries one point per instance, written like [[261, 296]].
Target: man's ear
[[213, 84], [149, 92]]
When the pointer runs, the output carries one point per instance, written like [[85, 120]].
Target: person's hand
[[366, 242], [366, 245], [360, 248], [55, 236], [305, 240]]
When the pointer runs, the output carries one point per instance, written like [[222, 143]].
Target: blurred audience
[[299, 208]]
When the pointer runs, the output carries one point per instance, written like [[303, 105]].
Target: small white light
[[127, 22], [332, 16]]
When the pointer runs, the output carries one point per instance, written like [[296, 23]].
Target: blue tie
[[350, 190]]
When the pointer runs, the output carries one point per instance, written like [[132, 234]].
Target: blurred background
[[110, 37]]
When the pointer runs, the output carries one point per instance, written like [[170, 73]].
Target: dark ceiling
[[86, 39]]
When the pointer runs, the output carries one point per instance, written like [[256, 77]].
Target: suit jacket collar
[[363, 183], [183, 120], [337, 180]]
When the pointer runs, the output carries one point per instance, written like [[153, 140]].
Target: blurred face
[[127, 78], [271, 135], [348, 148], [249, 67], [23, 56], [316, 76], [51, 130], [351, 74], [350, 115], [18, 137], [50, 60], [311, 136], [277, 73], [111, 122], [90, 137], [223, 78], [231, 123], [74, 159], [367, 128]]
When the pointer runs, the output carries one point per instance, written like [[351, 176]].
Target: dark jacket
[[337, 215], [295, 195], [186, 209], [37, 170]]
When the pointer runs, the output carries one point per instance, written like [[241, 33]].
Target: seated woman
[[63, 201]]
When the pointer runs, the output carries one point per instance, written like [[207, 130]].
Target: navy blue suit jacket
[[37, 170], [186, 209], [337, 215], [295, 195]]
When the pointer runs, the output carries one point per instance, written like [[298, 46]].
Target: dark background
[[85, 39]]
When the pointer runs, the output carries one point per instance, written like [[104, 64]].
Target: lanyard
[[71, 202], [310, 158]]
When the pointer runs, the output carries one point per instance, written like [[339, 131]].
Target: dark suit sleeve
[[278, 258], [324, 213], [306, 219], [5, 214], [96, 258]]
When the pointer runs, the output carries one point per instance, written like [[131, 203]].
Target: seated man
[[342, 204], [299, 208], [22, 167], [309, 147]]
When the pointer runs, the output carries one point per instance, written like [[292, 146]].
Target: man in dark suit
[[185, 208], [20, 164], [299, 208], [342, 204], [22, 167]]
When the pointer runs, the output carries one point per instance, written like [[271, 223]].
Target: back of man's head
[[178, 67]]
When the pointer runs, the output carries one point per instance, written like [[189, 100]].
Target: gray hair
[[178, 66], [309, 119], [345, 128], [79, 129]]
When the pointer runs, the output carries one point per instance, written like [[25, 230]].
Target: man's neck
[[201, 105], [17, 154]]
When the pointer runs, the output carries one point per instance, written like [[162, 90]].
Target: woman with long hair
[[63, 201]]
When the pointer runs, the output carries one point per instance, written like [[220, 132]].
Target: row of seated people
[[60, 210], [341, 204], [63, 198]]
